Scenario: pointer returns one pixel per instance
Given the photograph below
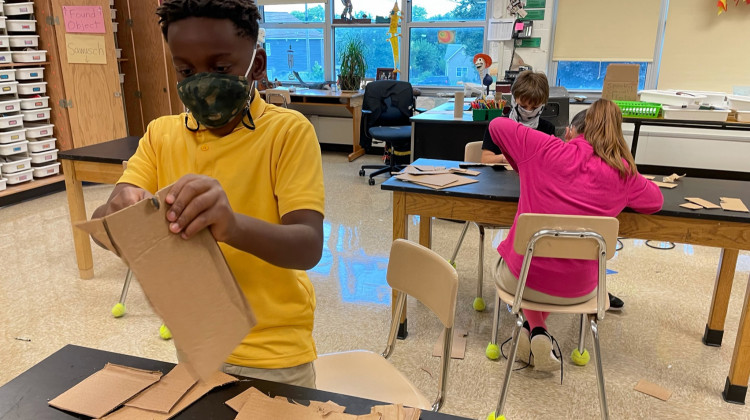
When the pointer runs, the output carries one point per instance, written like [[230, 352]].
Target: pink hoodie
[[565, 178]]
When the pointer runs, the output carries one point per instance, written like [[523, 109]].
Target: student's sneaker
[[545, 358], [523, 353], [615, 303]]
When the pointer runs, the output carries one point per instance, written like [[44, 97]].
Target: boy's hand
[[199, 202], [125, 195]]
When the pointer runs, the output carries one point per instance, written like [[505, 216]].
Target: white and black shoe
[[546, 359]]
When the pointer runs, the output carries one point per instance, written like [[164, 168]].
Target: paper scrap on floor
[[703, 203], [733, 204], [653, 390], [195, 393], [673, 177], [105, 390], [163, 395], [187, 282], [458, 344], [256, 405], [664, 184]]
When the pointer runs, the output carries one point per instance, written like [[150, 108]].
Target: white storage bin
[[13, 148], [10, 106], [35, 88], [29, 73], [677, 113], [739, 103], [6, 57], [118, 52], [44, 157], [113, 12], [114, 26], [12, 136], [2, 22], [743, 116], [670, 98], [15, 164], [35, 103], [8, 88], [47, 170], [41, 145], [3, 181], [13, 25], [7, 75], [4, 41], [12, 9], [36, 130], [122, 78], [24, 41], [32, 56], [11, 121], [36, 114], [20, 177], [712, 98]]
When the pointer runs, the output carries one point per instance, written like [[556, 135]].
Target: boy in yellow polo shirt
[[248, 171]]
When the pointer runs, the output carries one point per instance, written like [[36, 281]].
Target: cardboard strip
[[691, 206], [673, 177], [194, 394], [650, 177], [105, 390], [653, 390], [664, 184], [458, 346], [163, 395], [703, 203], [733, 204], [396, 412]]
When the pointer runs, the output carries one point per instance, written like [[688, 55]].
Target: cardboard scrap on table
[[105, 390], [436, 181], [701, 202], [733, 204], [162, 396], [254, 404], [436, 170], [664, 184], [649, 177], [187, 282], [673, 177], [195, 393], [458, 346], [691, 206], [653, 390]]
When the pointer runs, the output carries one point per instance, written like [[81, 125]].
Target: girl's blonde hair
[[604, 132]]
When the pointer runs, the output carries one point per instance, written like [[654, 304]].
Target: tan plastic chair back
[[421, 273], [573, 248], [473, 152], [278, 97]]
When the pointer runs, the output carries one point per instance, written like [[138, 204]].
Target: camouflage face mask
[[215, 99]]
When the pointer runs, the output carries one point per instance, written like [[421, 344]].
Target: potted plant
[[353, 65]]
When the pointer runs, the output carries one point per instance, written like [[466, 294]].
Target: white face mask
[[529, 118]]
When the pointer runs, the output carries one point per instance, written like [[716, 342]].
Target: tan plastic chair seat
[[588, 307], [366, 375]]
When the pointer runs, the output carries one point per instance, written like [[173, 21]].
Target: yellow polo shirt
[[266, 173]]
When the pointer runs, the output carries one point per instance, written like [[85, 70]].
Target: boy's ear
[[259, 65]]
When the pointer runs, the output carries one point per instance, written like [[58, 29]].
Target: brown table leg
[[400, 231], [357, 150], [735, 388], [77, 206], [720, 301]]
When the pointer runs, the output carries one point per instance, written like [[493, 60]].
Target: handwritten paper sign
[[86, 49], [83, 19]]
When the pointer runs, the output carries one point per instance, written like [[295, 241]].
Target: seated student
[[576, 127], [592, 174], [529, 93], [248, 171]]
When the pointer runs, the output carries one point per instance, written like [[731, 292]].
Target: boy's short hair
[[579, 122], [531, 87], [244, 14]]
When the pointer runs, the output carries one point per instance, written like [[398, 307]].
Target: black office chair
[[386, 109]]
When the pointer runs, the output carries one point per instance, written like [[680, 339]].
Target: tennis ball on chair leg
[[492, 416], [580, 359], [118, 310], [164, 332], [479, 304], [492, 351]]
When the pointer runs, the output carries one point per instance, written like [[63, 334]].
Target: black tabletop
[[114, 151], [505, 186], [26, 396]]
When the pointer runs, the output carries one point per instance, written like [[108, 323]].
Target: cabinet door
[[97, 113]]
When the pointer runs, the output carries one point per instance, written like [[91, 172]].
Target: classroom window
[[589, 75], [293, 13], [436, 54], [295, 49], [448, 10], [367, 9], [377, 48]]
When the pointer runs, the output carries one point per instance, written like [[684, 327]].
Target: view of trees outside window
[[589, 75]]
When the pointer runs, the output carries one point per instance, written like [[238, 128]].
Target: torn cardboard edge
[[164, 395], [673, 177], [458, 344], [650, 388], [702, 203], [733, 204]]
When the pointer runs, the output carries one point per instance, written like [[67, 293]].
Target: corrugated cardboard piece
[[664, 184], [621, 82], [194, 394], [733, 204], [702, 203], [187, 282], [163, 395], [105, 390], [653, 390]]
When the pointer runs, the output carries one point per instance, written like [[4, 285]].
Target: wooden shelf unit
[[36, 183]]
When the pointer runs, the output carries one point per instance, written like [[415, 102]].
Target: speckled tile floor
[[657, 337]]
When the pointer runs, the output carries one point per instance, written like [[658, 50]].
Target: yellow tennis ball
[[492, 352], [478, 304], [118, 310], [580, 359], [492, 416], [164, 332]]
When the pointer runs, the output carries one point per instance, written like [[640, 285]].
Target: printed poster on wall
[[86, 49], [83, 19]]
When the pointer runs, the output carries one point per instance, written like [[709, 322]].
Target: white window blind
[[606, 30], [703, 51]]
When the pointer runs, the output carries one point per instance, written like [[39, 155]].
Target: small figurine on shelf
[[482, 62], [347, 10], [393, 37]]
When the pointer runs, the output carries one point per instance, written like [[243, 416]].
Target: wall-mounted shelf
[[14, 65]]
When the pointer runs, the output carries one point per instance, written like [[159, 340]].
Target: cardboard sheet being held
[[188, 282]]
